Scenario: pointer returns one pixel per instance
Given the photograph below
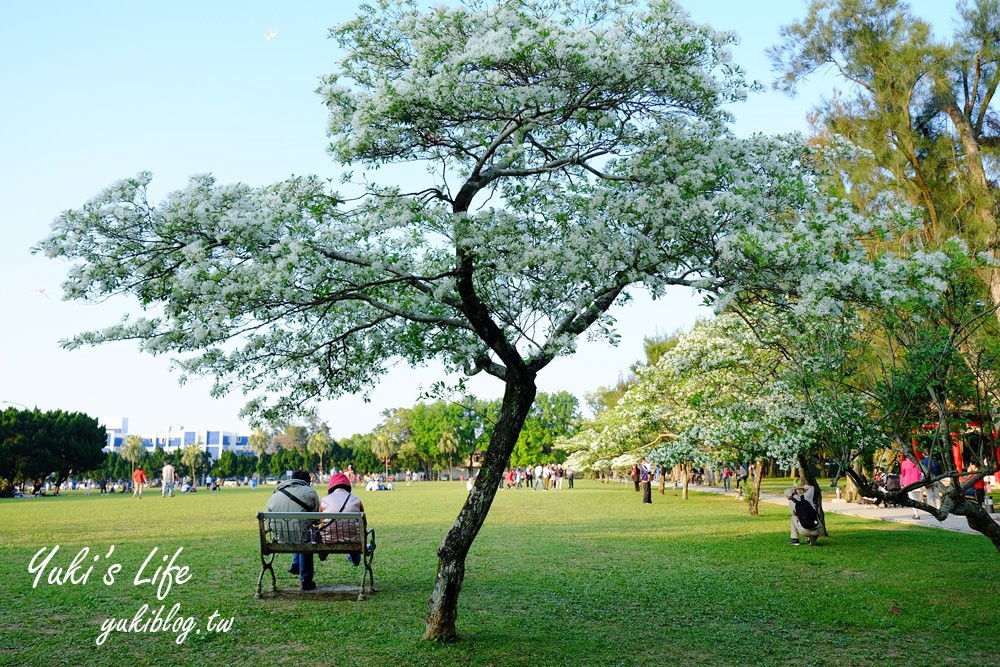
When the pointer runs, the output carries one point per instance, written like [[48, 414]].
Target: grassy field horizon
[[583, 576]]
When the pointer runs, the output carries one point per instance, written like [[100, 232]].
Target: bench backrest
[[284, 532]]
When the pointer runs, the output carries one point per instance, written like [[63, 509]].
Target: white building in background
[[211, 441]]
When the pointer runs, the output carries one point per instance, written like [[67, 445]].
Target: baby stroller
[[890, 483]]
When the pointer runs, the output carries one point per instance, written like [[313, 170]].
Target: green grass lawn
[[588, 576]]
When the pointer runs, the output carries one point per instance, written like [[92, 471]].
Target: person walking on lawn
[[646, 482], [910, 473]]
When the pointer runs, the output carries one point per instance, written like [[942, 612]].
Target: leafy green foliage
[[920, 106], [553, 416], [35, 444]]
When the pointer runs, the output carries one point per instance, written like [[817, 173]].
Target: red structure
[[958, 444]]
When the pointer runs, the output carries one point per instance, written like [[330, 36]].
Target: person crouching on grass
[[804, 517]]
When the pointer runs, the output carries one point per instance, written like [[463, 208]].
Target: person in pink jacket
[[340, 499], [910, 473]]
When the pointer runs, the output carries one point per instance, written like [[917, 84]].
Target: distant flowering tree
[[716, 377], [573, 149], [709, 398]]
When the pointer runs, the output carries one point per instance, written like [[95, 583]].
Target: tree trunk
[[852, 493], [756, 471], [687, 479], [980, 191], [979, 520], [663, 480], [953, 501], [517, 400]]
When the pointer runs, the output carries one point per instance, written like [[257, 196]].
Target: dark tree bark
[[518, 398], [953, 501], [979, 520]]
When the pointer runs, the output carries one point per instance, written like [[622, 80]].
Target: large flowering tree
[[535, 121], [572, 149], [939, 372], [924, 106]]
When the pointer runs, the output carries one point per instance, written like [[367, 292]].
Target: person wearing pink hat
[[340, 499]]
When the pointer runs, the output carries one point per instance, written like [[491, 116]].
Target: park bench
[[316, 533]]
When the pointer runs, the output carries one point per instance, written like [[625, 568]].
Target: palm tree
[[259, 441], [384, 446], [448, 444], [191, 457], [133, 450], [318, 444]]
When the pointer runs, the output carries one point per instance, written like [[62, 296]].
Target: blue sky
[[97, 91]]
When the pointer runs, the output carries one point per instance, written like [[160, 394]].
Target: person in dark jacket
[[646, 482]]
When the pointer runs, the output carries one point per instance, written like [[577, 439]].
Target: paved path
[[902, 515]]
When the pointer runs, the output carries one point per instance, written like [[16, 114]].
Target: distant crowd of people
[[168, 481], [541, 477]]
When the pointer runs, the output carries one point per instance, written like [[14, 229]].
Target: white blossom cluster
[[573, 149], [719, 396], [775, 380]]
